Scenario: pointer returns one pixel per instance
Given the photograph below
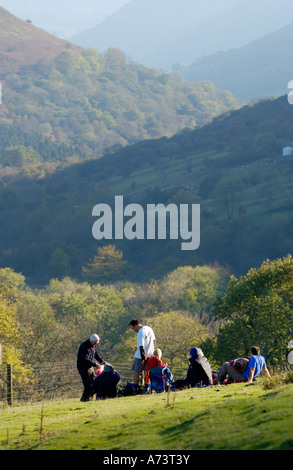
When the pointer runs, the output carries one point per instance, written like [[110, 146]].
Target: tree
[[228, 191], [257, 309], [192, 288], [10, 335], [176, 332], [20, 155], [59, 262], [107, 264], [43, 339]]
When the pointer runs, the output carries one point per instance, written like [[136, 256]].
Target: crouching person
[[105, 385]]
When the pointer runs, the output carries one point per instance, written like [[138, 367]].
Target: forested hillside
[[233, 167], [89, 101]]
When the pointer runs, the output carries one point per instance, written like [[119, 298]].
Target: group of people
[[101, 379]]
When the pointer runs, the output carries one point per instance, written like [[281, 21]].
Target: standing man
[[87, 358], [145, 347]]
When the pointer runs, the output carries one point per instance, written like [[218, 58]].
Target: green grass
[[238, 416]]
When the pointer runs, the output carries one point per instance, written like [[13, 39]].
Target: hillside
[[232, 166], [161, 34], [233, 417], [89, 101], [261, 68], [23, 44]]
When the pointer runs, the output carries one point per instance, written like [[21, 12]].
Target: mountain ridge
[[261, 68], [217, 29]]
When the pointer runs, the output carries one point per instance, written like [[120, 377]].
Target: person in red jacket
[[154, 361]]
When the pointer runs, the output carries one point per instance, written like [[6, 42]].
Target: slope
[[261, 68], [89, 101], [23, 44], [234, 417], [232, 166]]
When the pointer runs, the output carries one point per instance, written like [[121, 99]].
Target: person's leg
[[234, 375], [222, 373], [137, 368], [136, 376], [86, 377]]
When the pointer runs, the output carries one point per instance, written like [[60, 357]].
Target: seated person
[[231, 372], [199, 371], [249, 371], [154, 361], [105, 384]]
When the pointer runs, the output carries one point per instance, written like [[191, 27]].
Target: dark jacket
[[105, 385], [199, 372], [87, 356]]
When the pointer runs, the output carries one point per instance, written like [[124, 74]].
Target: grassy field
[[233, 417]]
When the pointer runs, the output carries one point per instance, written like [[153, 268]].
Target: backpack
[[130, 390], [160, 379]]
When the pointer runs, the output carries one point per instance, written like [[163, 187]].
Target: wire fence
[[52, 381]]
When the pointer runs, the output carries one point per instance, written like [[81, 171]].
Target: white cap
[[94, 337]]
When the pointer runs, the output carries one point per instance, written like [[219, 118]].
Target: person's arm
[[251, 374], [142, 352], [99, 358], [266, 372]]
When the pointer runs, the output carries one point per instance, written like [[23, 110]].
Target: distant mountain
[[262, 68], [63, 18], [90, 101], [141, 27], [161, 34]]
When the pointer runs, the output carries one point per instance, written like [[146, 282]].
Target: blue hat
[[194, 352]]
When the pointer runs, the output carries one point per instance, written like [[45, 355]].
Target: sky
[[63, 18]]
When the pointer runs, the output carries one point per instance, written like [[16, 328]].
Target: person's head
[[135, 325], [94, 339], [255, 351], [158, 353], [195, 353], [237, 366], [108, 368]]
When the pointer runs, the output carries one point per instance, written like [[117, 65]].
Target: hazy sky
[[63, 18]]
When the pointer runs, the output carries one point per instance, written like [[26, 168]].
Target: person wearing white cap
[[87, 358]]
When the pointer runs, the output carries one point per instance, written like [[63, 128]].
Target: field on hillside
[[234, 417]]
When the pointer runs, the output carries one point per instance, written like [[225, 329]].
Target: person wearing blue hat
[[199, 372]]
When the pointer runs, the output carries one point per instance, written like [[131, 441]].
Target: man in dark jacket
[[87, 358], [105, 385]]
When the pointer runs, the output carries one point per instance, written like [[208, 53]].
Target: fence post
[[9, 385]]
